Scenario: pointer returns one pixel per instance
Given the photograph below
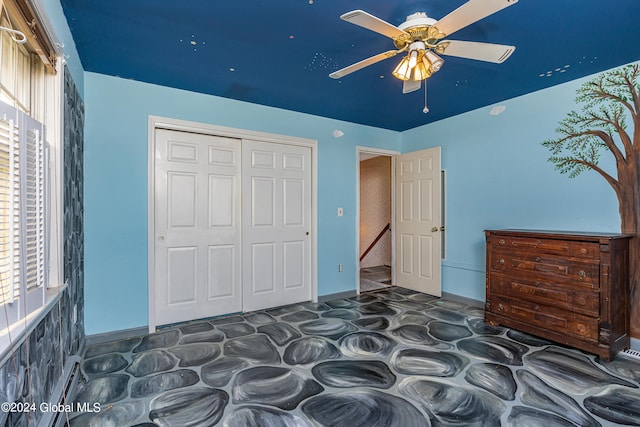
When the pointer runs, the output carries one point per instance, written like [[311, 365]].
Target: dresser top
[[564, 235]]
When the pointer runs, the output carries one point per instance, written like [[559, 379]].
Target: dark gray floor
[[387, 358], [374, 278]]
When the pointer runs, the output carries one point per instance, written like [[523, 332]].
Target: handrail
[[384, 230]]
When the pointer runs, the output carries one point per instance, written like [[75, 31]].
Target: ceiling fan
[[422, 38]]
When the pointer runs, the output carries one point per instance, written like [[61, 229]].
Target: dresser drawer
[[562, 270], [546, 246], [546, 317], [585, 301]]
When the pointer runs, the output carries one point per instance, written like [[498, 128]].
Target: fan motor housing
[[420, 27]]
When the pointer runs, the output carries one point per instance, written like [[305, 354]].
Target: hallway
[[375, 278]]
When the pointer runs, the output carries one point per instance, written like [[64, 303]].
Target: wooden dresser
[[572, 288]]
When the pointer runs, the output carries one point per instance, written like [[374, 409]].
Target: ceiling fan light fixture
[[403, 70], [421, 36], [433, 61], [421, 71], [413, 58]]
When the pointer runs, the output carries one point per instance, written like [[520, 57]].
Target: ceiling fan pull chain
[[425, 109]]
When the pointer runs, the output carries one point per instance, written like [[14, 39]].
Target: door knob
[[434, 229], [160, 239]]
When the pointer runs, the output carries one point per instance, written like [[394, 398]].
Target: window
[[15, 70], [27, 91]]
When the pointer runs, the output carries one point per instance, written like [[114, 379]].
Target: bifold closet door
[[276, 199], [198, 260]]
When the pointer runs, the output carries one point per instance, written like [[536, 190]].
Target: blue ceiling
[[280, 52]]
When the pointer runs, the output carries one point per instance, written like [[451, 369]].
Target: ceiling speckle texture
[[280, 53]]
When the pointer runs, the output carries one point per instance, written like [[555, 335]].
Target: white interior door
[[276, 194], [417, 221], [197, 226]]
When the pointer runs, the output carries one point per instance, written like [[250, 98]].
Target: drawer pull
[[501, 261], [501, 242], [500, 307], [538, 259], [583, 251], [582, 274]]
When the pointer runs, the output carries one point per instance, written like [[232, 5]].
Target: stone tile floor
[[374, 278], [388, 358]]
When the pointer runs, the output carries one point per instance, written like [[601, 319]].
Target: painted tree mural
[[609, 122]]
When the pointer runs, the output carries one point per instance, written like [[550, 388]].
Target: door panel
[[406, 201], [182, 200], [417, 225], [293, 199], [293, 263], [276, 241], [221, 189], [197, 226], [182, 275], [426, 200], [221, 275], [406, 254], [426, 262], [263, 202], [263, 268]]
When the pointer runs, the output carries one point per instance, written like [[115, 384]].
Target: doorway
[[375, 222], [410, 184], [374, 241]]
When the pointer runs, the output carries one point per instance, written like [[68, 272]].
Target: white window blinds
[[9, 211], [23, 249]]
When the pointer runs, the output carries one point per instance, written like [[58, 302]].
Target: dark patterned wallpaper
[[74, 206], [32, 373]]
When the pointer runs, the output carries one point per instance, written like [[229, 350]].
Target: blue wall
[[117, 113], [498, 176]]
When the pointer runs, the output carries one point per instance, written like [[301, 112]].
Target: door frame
[[382, 152], [157, 122]]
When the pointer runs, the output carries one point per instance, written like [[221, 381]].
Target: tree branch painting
[[608, 123]]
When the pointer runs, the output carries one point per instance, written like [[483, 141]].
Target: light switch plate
[[340, 212]]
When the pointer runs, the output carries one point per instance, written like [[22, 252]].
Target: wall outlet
[[340, 212], [340, 268]]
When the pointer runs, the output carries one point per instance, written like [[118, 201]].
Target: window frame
[[47, 84]]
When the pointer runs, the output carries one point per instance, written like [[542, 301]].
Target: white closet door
[[417, 222], [197, 226], [276, 195]]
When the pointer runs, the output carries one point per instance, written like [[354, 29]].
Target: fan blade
[[364, 63], [497, 53], [468, 13], [411, 86], [370, 22]]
